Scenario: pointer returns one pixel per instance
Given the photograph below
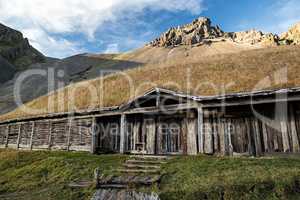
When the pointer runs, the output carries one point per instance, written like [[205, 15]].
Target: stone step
[[149, 157], [112, 186], [140, 166], [131, 180], [139, 171], [145, 162], [81, 184]]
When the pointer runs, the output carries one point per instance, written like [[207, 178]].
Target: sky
[[61, 28]]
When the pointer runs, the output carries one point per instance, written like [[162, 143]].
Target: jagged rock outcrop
[[16, 49], [200, 31], [193, 33], [255, 37], [293, 35]]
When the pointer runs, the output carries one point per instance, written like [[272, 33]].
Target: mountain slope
[[238, 72], [193, 44], [16, 49]]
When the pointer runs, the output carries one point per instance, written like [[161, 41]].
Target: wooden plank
[[295, 139], [251, 143], [50, 135], [208, 139], [285, 135], [191, 125], [200, 130], [69, 134], [265, 137], [229, 132], [256, 132], [19, 136], [215, 133], [122, 133], [150, 132], [94, 136], [31, 136], [222, 136], [7, 135]]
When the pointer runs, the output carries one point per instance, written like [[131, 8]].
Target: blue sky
[[61, 28]]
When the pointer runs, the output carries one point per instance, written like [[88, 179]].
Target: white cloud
[[79, 16], [281, 15], [56, 47]]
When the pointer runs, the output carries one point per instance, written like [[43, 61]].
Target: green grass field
[[46, 175]]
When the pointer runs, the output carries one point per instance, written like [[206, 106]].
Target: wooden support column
[[208, 138], [200, 130], [265, 136], [122, 133], [258, 144], [295, 139], [69, 134], [251, 143], [94, 135], [19, 136], [7, 135], [191, 125], [50, 135], [285, 134], [229, 132], [31, 136], [222, 126]]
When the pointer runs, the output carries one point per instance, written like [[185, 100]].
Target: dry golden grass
[[232, 72]]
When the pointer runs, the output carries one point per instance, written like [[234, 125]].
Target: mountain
[[16, 50], [293, 35], [190, 44], [201, 31]]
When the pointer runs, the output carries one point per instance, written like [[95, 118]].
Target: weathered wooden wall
[[65, 134], [243, 133]]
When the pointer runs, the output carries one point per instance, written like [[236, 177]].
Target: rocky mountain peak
[[292, 35], [189, 34], [201, 31], [16, 50]]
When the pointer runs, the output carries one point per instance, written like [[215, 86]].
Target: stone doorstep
[[146, 162], [139, 171], [149, 157], [130, 180], [141, 166]]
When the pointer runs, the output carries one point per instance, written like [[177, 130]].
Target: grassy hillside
[[232, 72], [36, 175]]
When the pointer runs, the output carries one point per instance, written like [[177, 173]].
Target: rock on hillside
[[193, 33], [255, 37], [7, 70], [293, 35], [16, 49], [200, 31]]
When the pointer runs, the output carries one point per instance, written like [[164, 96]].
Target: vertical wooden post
[[215, 133], [122, 133], [50, 135], [256, 132], [200, 130], [191, 136], [7, 135], [208, 143], [265, 136], [229, 132], [69, 134], [285, 134], [222, 127], [19, 136], [94, 135], [295, 139], [31, 136]]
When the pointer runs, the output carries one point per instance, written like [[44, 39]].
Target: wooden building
[[165, 122]]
